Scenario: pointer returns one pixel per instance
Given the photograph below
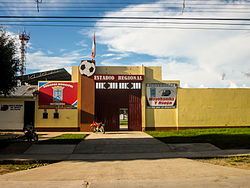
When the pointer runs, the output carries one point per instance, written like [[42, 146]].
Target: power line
[[134, 8], [126, 22], [133, 27], [113, 7], [128, 18], [120, 7], [91, 10]]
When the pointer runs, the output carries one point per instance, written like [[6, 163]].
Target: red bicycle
[[97, 127]]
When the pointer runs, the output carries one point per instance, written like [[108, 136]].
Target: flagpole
[[93, 49]]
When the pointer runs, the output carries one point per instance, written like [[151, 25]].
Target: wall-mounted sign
[[11, 107], [161, 95], [57, 94], [119, 78]]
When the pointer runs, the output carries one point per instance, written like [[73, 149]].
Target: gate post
[[87, 106]]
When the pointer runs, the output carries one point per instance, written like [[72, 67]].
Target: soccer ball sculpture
[[87, 68]]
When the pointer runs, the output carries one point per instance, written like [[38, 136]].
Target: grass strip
[[224, 138], [123, 122]]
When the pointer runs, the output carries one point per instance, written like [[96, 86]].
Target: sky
[[212, 51]]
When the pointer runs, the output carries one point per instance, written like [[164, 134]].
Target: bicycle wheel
[[35, 137], [102, 129], [93, 129]]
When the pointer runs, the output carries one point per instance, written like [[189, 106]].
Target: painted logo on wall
[[57, 94], [54, 94], [161, 95]]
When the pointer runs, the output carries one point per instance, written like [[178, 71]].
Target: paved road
[[127, 159]]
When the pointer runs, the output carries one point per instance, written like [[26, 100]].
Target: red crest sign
[[63, 94]]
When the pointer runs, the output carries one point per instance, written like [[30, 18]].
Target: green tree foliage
[[9, 62]]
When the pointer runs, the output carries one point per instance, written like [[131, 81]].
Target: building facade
[[152, 103], [18, 109], [149, 103]]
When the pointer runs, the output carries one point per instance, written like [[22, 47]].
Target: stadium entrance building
[[110, 89], [150, 102], [73, 106]]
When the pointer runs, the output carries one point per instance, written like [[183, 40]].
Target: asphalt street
[[125, 159]]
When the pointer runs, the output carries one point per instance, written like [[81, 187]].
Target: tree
[[9, 62]]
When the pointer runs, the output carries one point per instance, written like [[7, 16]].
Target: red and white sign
[[119, 78], [58, 94], [161, 95]]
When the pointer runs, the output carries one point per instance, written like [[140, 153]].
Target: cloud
[[108, 55], [42, 61], [113, 58], [195, 57], [49, 52], [27, 7], [62, 50], [82, 44]]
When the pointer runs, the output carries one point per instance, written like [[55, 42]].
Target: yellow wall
[[214, 107], [67, 118], [76, 77], [204, 108], [161, 117], [75, 74], [157, 117], [152, 74]]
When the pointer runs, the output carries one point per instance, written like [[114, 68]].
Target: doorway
[[123, 119], [111, 97], [29, 113]]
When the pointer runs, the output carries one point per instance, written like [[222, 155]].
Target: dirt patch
[[242, 162], [13, 166]]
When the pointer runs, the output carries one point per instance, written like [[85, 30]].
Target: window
[[45, 114], [56, 114]]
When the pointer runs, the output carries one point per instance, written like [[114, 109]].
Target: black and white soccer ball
[[87, 68]]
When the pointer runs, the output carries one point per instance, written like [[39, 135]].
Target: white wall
[[12, 117]]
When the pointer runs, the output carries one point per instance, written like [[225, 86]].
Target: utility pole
[[24, 38], [37, 4]]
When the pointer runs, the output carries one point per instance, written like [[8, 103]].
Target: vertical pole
[[177, 110], [143, 101]]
